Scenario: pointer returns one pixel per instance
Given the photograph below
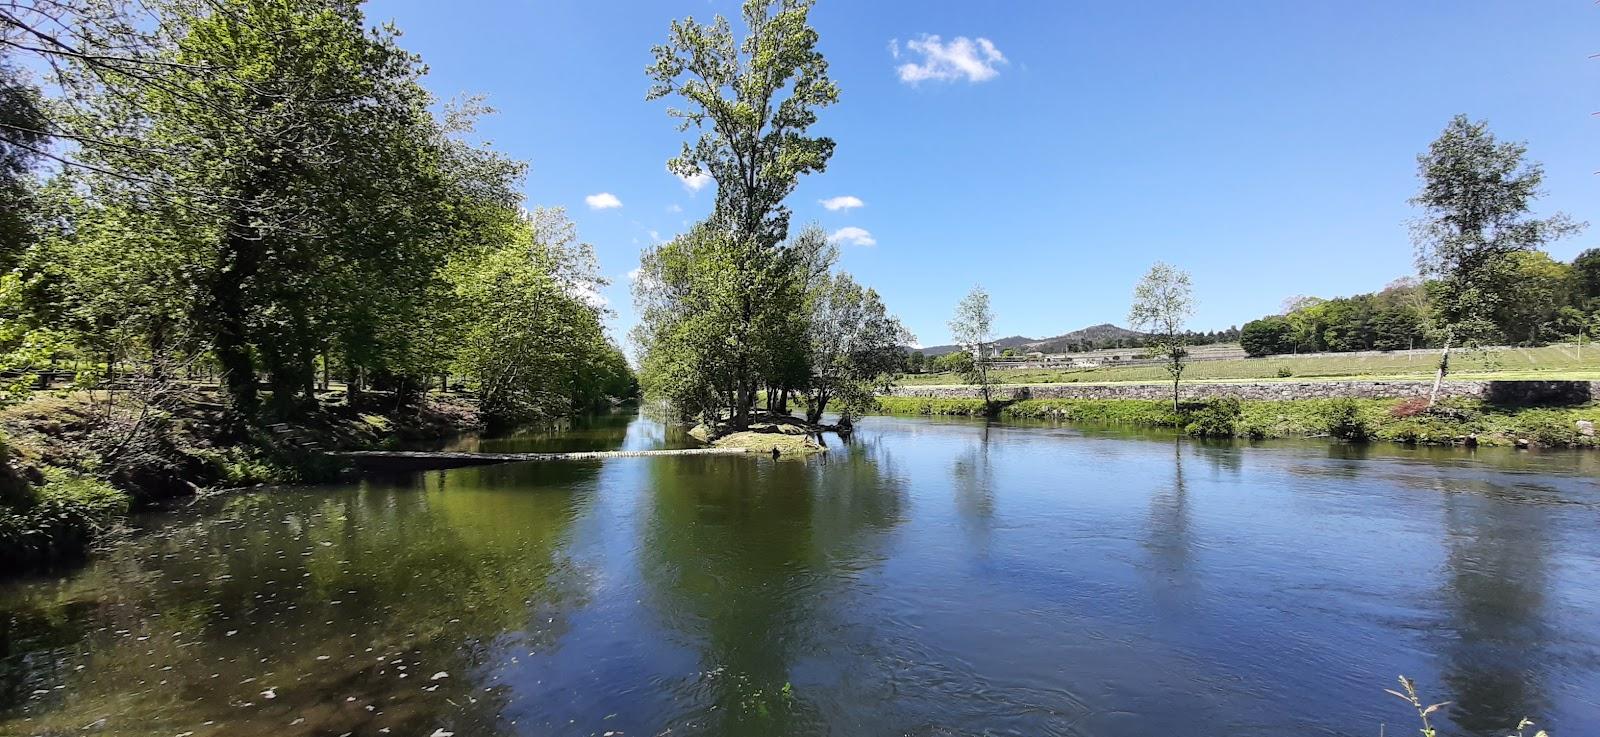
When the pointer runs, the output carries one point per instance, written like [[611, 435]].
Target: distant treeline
[[952, 359], [1534, 300]]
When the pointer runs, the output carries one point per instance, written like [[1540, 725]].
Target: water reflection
[[974, 490], [925, 577], [1170, 539], [310, 613], [1496, 591], [743, 562]]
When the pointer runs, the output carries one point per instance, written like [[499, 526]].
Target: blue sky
[[1267, 147]]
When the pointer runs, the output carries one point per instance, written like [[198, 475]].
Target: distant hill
[[1094, 336], [1003, 343], [1097, 336]]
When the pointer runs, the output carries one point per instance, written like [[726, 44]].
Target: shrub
[[1408, 431], [1409, 407], [1252, 428], [1345, 421], [1284, 372], [1547, 427], [65, 515], [1217, 418]]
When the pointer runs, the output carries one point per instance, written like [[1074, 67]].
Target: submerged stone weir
[[424, 460]]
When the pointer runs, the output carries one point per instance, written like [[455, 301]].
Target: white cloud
[[589, 293], [842, 202], [962, 58], [695, 182], [655, 235], [602, 201], [674, 207], [854, 236]]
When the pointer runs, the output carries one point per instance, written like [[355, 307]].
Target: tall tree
[[752, 101], [529, 337], [1476, 201], [973, 329], [21, 139], [1163, 301], [1586, 271]]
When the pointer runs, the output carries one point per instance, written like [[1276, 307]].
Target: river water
[[927, 577]]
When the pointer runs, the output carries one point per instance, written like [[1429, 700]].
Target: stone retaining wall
[[1499, 392]]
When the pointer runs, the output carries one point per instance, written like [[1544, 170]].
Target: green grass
[[1395, 420], [1548, 362]]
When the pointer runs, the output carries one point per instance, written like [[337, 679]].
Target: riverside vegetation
[[227, 220], [735, 310], [1412, 421]]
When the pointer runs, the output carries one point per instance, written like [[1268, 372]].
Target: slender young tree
[[1476, 201], [973, 329], [1163, 301]]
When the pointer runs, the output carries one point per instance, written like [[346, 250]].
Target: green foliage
[[22, 123], [263, 188], [536, 350], [1266, 336], [1477, 197], [1215, 418], [1162, 302], [931, 406], [973, 329], [1548, 427], [916, 362], [59, 520], [1345, 421], [725, 310], [722, 317], [855, 347], [1454, 421], [1586, 276], [954, 362], [753, 100]]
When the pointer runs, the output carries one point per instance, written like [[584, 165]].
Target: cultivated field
[[1549, 362]]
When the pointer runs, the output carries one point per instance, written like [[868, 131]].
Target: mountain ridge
[[1094, 334]]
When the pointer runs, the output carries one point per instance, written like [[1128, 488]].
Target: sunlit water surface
[[925, 578]]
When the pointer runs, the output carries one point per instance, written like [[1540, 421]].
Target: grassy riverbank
[[73, 465], [1547, 362], [1398, 420]]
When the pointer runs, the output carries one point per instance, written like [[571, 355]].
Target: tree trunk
[[232, 347], [1444, 367], [816, 405]]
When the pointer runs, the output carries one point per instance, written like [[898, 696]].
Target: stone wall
[[1499, 392]]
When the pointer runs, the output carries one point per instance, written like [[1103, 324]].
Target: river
[[927, 577]]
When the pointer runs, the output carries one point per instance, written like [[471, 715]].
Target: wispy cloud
[[854, 236], [602, 201], [974, 60], [842, 202]]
